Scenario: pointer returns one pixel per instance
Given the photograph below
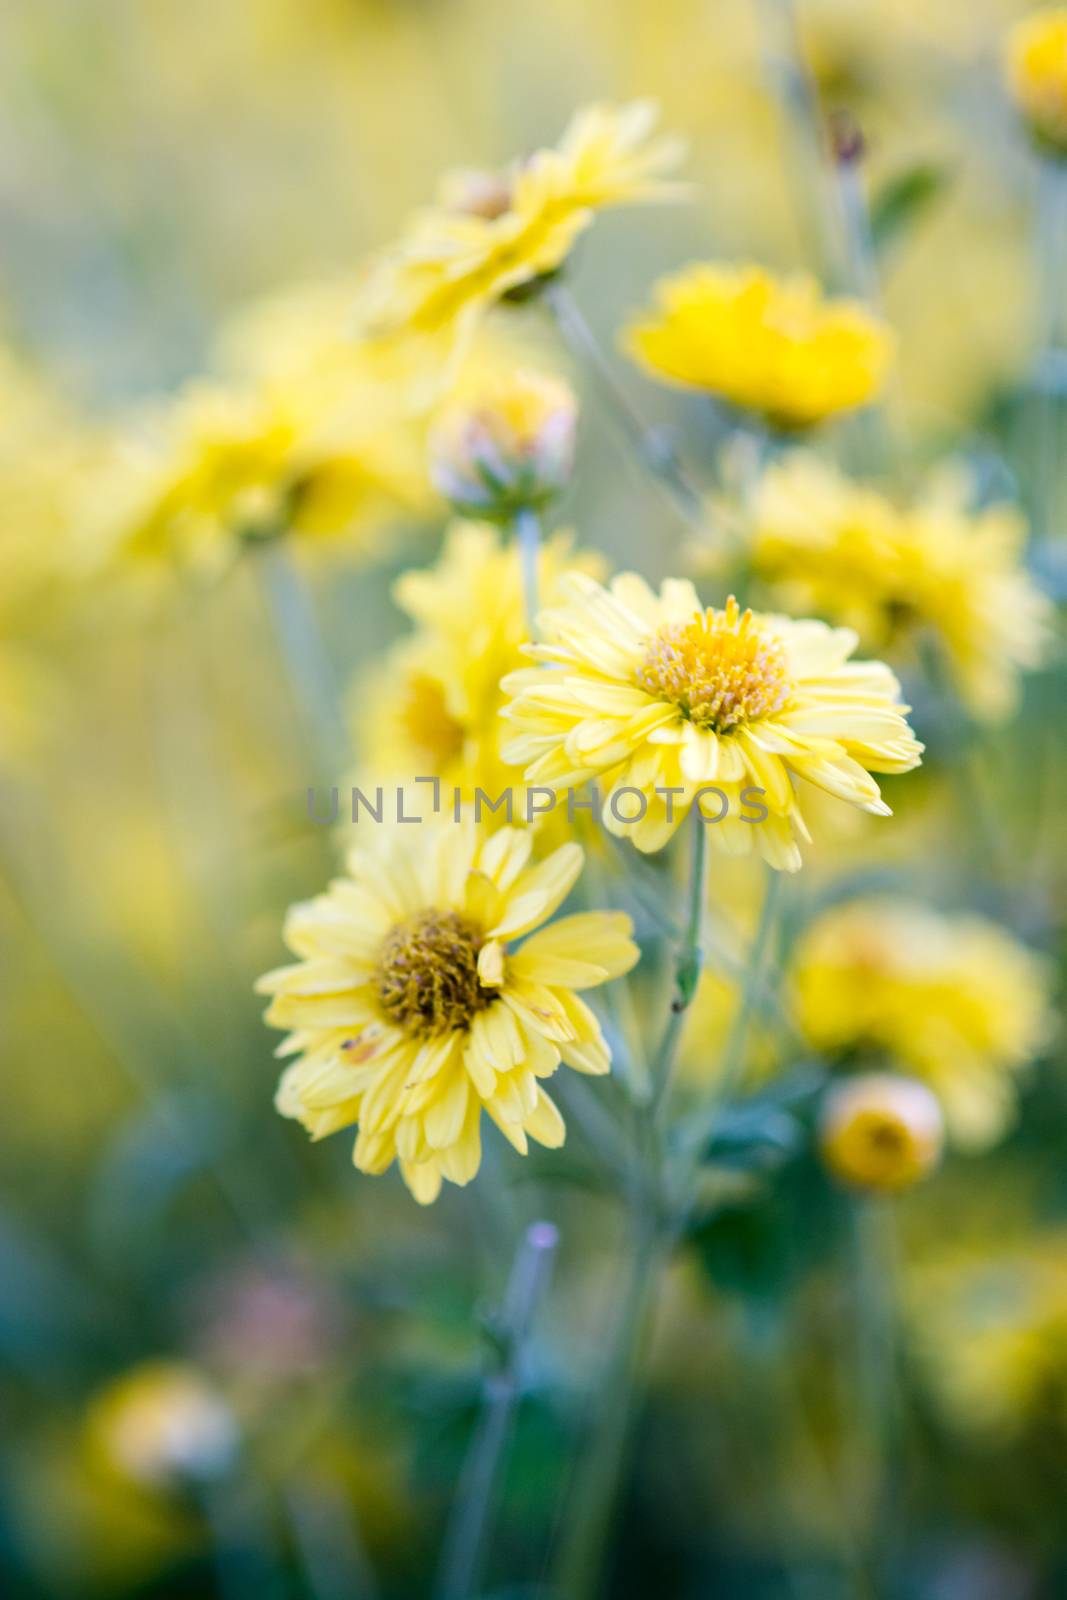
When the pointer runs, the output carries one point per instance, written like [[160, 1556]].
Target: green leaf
[[903, 199]]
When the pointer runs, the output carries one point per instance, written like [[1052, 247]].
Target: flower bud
[[1037, 76], [881, 1132], [163, 1423], [511, 448]]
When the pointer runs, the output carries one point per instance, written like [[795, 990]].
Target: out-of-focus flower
[[163, 1423], [899, 574], [678, 705], [773, 347], [955, 1000], [433, 707], [243, 461], [512, 447], [1036, 64], [493, 235], [412, 1010], [991, 1329], [880, 1132]]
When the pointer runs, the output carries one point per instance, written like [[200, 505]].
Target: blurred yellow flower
[[492, 235], [161, 1423], [931, 569], [678, 705], [412, 1010], [1036, 64], [773, 347], [432, 708], [880, 1132], [240, 461], [954, 1000], [991, 1328], [508, 447]]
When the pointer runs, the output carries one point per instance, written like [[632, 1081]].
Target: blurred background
[[228, 1363]]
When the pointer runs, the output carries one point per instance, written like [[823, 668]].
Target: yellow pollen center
[[427, 974], [720, 669]]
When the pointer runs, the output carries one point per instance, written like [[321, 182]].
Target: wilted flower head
[[880, 1132], [1036, 62], [679, 705], [509, 447], [413, 1009], [902, 572], [163, 1423], [494, 235], [955, 1000], [773, 347]]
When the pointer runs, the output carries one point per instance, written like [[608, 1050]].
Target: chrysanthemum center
[[427, 974], [720, 669]]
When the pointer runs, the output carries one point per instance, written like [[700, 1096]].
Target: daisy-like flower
[[682, 705], [432, 708], [955, 1001], [414, 1007], [493, 235], [827, 546], [773, 347], [1036, 66]]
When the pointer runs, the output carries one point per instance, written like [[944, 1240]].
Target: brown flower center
[[427, 974], [720, 669]]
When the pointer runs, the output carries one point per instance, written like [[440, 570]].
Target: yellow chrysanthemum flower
[[433, 707], [956, 1001], [491, 235], [880, 1132], [682, 706], [244, 460], [413, 1009], [991, 1328], [1036, 64], [774, 347], [830, 547]]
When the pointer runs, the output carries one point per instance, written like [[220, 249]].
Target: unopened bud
[[510, 449], [1036, 67], [881, 1132]]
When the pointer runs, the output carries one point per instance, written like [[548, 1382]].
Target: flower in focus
[[492, 235], [433, 707], [773, 347], [956, 1001], [162, 1423], [412, 1008], [682, 706], [828, 546], [1036, 63], [992, 1330], [881, 1132], [511, 447]]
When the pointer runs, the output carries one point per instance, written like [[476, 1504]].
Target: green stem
[[307, 664], [805, 144], [875, 1276], [465, 1541], [1050, 375], [733, 1055], [594, 1498], [688, 964], [527, 526], [656, 455]]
